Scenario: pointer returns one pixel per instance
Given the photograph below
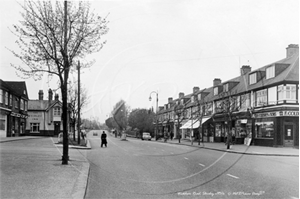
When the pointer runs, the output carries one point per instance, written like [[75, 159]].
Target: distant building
[[13, 108], [45, 116]]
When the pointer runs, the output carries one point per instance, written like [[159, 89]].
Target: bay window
[[261, 97]]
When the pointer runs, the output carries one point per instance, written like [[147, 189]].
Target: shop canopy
[[193, 124]]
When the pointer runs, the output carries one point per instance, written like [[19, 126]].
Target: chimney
[[50, 95], [170, 99], [196, 89], [41, 95], [181, 95], [292, 49], [56, 97], [217, 81], [245, 69]]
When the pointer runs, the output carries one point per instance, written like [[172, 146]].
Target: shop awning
[[191, 124], [205, 119]]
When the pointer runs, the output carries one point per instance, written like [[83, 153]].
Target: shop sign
[[18, 115], [277, 114]]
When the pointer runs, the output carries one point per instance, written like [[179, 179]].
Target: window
[[287, 93], [219, 106], [252, 78], [280, 92], [245, 101], [22, 104], [192, 99], [56, 111], [290, 93], [264, 129], [26, 105], [199, 96], [261, 97], [34, 127], [225, 87], [272, 98], [216, 91], [16, 103], [1, 96], [10, 100], [270, 72], [6, 98]]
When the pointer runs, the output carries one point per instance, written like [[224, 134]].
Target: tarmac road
[[150, 169]]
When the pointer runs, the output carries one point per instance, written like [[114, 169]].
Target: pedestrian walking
[[179, 137], [103, 139]]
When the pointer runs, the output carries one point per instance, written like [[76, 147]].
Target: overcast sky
[[168, 46]]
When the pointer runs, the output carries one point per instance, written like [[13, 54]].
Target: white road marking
[[202, 165], [233, 176], [185, 158]]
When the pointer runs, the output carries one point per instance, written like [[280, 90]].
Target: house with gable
[[44, 115]]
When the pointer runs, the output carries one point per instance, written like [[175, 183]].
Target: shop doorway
[[288, 135]]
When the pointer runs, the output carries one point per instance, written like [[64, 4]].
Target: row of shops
[[275, 128]]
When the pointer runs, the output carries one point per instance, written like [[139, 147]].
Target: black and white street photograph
[[129, 99]]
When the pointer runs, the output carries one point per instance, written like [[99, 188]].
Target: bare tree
[[203, 107], [180, 114], [52, 37], [73, 103]]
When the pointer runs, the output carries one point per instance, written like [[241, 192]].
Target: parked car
[[146, 136]]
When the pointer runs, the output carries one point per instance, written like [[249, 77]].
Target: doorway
[[56, 128], [288, 137]]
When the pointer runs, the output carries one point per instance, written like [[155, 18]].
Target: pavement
[[51, 174], [32, 166], [238, 148]]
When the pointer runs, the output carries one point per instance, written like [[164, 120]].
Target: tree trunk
[[65, 157]]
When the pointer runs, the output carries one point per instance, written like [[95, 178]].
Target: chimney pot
[[50, 95], [196, 89], [217, 81], [245, 69], [56, 97], [41, 95], [181, 95], [292, 49]]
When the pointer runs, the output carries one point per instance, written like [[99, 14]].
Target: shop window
[[264, 129], [2, 122], [272, 96], [218, 131], [261, 97], [34, 127]]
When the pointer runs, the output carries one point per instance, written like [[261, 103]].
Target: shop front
[[243, 130], [277, 128]]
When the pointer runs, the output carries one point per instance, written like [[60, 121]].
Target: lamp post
[[156, 130]]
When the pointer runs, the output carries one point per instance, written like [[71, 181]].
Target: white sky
[[168, 46]]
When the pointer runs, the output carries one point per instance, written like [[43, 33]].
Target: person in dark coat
[[103, 139]]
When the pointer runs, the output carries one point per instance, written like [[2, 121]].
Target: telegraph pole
[[65, 157], [78, 122]]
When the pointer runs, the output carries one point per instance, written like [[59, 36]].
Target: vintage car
[[146, 136]]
